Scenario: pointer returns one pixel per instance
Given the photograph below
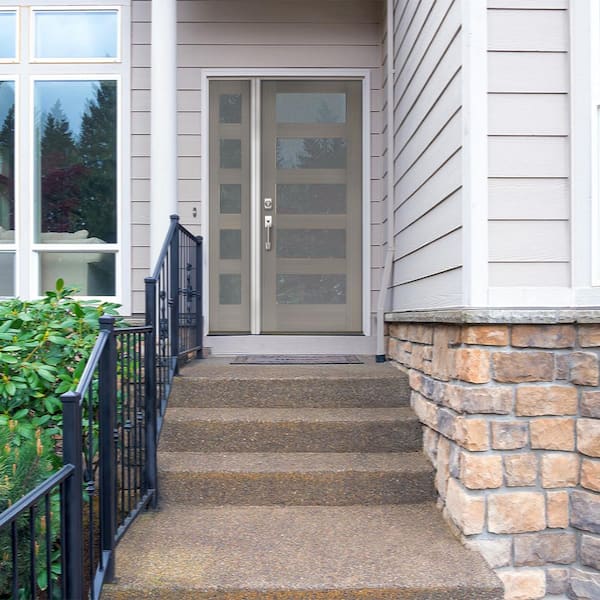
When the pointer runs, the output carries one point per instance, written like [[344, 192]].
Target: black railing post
[[151, 406], [73, 518], [107, 393], [174, 299], [199, 298]]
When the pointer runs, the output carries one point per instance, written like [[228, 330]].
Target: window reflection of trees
[[7, 162], [79, 173]]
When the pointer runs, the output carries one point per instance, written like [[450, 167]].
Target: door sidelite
[[285, 207]]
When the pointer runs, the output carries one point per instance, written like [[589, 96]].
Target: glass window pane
[[311, 199], [311, 243], [231, 154], [311, 289], [230, 200], [311, 153], [311, 108], [230, 108], [92, 273], [230, 289], [7, 274], [76, 154], [76, 34], [231, 243], [7, 162], [8, 34]]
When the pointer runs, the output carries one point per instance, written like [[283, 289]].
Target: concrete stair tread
[[290, 415], [301, 462], [277, 552]]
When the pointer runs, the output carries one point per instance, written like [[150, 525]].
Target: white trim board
[[328, 74]]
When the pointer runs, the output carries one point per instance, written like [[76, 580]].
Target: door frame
[[364, 75]]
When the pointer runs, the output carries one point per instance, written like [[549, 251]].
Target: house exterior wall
[[257, 34], [428, 155], [529, 136]]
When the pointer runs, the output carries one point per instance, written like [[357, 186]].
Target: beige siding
[[249, 34], [528, 62], [427, 161]]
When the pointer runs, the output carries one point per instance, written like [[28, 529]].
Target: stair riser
[[465, 593], [290, 393], [300, 489], [203, 436]]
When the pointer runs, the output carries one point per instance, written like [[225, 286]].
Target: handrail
[[92, 362]]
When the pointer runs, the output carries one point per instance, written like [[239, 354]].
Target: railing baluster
[[199, 299], [174, 295], [32, 541], [48, 536]]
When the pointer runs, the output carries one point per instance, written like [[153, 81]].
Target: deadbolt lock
[[268, 203]]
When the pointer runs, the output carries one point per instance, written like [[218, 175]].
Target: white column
[[163, 162]]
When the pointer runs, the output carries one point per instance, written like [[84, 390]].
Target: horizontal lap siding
[[254, 34], [427, 161], [529, 124]]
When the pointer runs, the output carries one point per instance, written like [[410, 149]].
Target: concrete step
[[216, 383], [297, 553], [327, 479], [291, 430]]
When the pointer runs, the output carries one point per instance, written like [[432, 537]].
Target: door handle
[[268, 227]]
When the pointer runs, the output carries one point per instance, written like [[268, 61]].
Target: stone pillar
[[163, 162], [511, 415]]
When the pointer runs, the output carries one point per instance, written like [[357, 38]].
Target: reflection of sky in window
[[8, 34], [73, 96], [7, 99], [311, 107], [76, 34]]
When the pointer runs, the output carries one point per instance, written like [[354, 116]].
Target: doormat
[[297, 359]]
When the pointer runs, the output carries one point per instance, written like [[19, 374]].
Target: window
[[61, 143], [8, 35]]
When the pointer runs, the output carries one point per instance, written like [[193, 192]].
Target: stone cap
[[536, 316]]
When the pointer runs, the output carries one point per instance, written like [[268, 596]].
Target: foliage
[[26, 459], [44, 345]]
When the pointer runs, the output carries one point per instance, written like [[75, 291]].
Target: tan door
[[307, 227], [311, 207]]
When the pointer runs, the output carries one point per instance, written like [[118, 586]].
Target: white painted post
[[163, 162]]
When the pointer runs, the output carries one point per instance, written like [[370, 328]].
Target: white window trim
[[291, 73], [585, 151], [16, 59], [77, 61]]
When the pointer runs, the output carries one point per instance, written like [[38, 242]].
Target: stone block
[[557, 509], [519, 367], [553, 434], [543, 336], [516, 512], [415, 380], [442, 358], [559, 470], [496, 553], [588, 437], [520, 469], [589, 335], [584, 368], [590, 474], [537, 549], [446, 422], [398, 330], [419, 332], [466, 510], [442, 467], [590, 404], [426, 411], [562, 366], [417, 358], [480, 471], [485, 335], [472, 434], [584, 585], [472, 365], [523, 584], [509, 435], [533, 401], [430, 443], [481, 400], [557, 580], [585, 510], [590, 551]]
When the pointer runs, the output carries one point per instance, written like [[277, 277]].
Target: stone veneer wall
[[511, 417]]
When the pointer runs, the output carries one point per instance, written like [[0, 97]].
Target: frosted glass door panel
[[312, 171]]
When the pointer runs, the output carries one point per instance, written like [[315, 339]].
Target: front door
[[285, 206]]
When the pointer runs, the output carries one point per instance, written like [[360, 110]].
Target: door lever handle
[[268, 227]]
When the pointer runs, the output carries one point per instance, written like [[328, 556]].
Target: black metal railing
[[111, 424]]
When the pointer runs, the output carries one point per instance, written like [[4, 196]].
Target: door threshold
[[290, 344]]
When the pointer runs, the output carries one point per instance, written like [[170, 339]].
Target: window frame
[[17, 57], [74, 8]]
